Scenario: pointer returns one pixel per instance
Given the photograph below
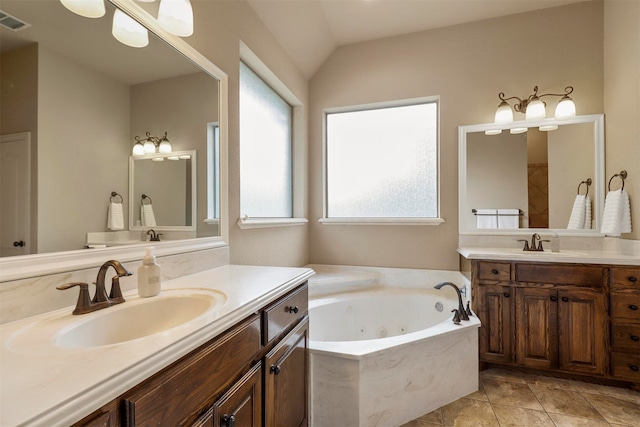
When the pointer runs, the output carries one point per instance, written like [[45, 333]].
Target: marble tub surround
[[60, 386], [508, 398], [34, 295]]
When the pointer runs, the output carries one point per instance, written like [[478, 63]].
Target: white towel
[[587, 213], [578, 213], [508, 218], [147, 216], [616, 218], [486, 218], [115, 217]]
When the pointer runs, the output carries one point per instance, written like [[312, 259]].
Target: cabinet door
[[537, 327], [287, 380], [241, 406], [494, 310], [583, 326]]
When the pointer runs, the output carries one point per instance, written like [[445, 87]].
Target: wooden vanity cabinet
[[493, 305], [625, 323], [255, 374]]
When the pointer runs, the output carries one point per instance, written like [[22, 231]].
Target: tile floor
[[507, 398]]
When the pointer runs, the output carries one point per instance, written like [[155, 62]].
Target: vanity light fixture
[[86, 8], [151, 144], [534, 109], [129, 31]]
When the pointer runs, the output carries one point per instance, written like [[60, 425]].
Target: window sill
[[250, 223], [381, 221]]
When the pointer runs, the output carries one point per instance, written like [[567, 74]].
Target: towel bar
[[622, 175], [114, 194], [475, 212], [144, 197], [588, 183]]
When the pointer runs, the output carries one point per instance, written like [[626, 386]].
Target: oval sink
[[135, 319]]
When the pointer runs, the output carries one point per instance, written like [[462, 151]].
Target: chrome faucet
[[461, 311], [533, 248], [155, 237], [100, 298]]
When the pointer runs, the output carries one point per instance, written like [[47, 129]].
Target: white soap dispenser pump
[[149, 275]]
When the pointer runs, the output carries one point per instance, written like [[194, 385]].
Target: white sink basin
[[134, 319]]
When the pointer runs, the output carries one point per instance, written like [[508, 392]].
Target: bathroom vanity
[[224, 368], [567, 313]]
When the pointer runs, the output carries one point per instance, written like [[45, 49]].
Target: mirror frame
[[33, 265], [599, 180]]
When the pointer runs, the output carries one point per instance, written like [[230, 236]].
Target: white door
[[15, 175]]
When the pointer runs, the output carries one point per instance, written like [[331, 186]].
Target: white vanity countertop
[[43, 384], [577, 256]]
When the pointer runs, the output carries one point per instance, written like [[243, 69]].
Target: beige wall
[[622, 98], [467, 65], [220, 26]]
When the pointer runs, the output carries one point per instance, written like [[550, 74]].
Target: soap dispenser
[[149, 275]]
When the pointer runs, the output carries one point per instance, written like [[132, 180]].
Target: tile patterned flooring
[[507, 398]]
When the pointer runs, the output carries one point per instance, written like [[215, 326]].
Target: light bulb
[[504, 114], [128, 31], [149, 147], [176, 16], [138, 149], [535, 109], [566, 108], [86, 8]]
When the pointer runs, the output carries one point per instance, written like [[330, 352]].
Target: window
[[266, 180], [382, 162]]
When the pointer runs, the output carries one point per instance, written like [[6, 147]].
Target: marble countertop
[[47, 385], [577, 256]]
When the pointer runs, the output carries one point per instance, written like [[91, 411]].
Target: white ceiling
[[309, 30]]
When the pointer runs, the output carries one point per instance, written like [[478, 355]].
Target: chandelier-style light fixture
[[533, 108], [151, 144]]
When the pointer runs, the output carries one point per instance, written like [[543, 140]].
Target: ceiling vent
[[11, 22]]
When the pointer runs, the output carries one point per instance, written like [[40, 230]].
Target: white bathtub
[[382, 353]]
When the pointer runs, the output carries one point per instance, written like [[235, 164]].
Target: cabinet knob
[[294, 309], [633, 279], [18, 244], [633, 307], [554, 298], [635, 338], [494, 271], [275, 369], [228, 421], [634, 368], [506, 295], [565, 299]]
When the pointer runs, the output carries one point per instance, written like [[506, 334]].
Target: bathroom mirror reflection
[[81, 96], [530, 180]]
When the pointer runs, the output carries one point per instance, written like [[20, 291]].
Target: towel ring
[[622, 175], [144, 196], [114, 194], [588, 183]]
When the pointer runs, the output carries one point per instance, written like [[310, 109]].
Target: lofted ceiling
[[309, 30]]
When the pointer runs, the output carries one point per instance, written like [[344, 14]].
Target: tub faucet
[[461, 311]]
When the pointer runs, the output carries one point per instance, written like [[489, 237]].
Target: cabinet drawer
[[625, 365], [625, 306], [285, 313], [500, 271], [625, 278], [560, 274], [626, 336], [193, 382]]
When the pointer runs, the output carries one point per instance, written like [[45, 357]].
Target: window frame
[[326, 220]]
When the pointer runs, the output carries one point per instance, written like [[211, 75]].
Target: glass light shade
[[149, 147], [176, 16], [504, 114], [138, 149], [165, 147], [535, 110], [516, 131], [548, 128], [493, 132], [566, 108], [86, 8], [128, 31]]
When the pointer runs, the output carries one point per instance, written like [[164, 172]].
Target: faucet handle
[[526, 244], [456, 316], [469, 313], [540, 248], [84, 302], [115, 295]]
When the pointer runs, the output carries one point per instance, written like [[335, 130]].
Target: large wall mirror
[[81, 97], [531, 178]]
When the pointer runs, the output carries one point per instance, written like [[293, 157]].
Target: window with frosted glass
[[265, 149], [383, 162]]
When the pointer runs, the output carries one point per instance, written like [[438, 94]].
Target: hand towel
[[616, 218], [147, 216], [508, 218], [486, 218], [115, 217], [587, 212], [578, 213]]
